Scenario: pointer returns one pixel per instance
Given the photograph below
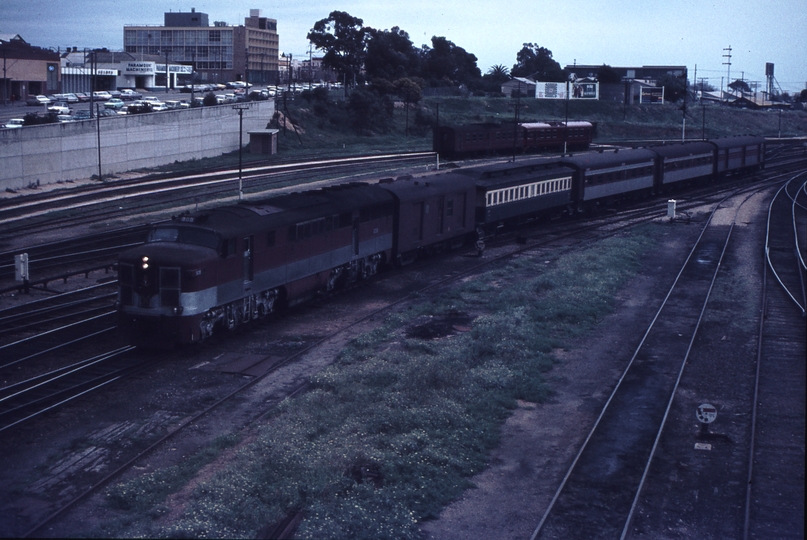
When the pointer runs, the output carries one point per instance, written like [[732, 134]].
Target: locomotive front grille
[[169, 286]]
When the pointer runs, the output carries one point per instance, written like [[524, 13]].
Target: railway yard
[[668, 397]]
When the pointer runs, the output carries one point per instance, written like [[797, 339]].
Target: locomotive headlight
[[145, 262]]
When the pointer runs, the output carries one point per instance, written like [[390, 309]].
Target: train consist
[[216, 269], [493, 138]]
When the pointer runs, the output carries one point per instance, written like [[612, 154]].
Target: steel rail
[[768, 249], [573, 466], [626, 529]]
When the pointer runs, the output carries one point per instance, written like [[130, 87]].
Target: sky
[[691, 33]]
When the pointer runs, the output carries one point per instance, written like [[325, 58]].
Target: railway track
[[25, 400], [600, 492], [119, 199], [774, 505]]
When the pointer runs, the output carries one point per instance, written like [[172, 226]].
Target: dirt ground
[[539, 441]]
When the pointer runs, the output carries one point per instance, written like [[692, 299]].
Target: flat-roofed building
[[26, 70], [218, 53]]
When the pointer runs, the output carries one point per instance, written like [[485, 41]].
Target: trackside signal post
[[706, 414], [21, 270]]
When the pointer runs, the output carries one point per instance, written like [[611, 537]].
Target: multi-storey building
[[218, 53]]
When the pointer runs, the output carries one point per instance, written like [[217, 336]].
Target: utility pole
[[5, 81], [515, 120], [92, 85], [727, 63], [98, 131], [240, 108]]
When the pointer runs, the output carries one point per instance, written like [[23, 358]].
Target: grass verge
[[397, 427]]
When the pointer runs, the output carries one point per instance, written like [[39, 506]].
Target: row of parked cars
[[132, 102], [83, 97]]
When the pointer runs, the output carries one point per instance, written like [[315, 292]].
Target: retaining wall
[[69, 151]]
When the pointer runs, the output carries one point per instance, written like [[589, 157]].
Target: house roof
[[11, 37]]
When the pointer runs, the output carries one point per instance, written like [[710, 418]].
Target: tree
[[740, 86], [209, 99], [498, 74], [446, 63], [391, 55], [674, 87], [492, 80], [537, 63], [369, 110], [344, 40], [608, 75]]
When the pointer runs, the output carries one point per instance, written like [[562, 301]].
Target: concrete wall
[[69, 151]]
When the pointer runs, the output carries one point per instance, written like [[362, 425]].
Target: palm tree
[[499, 72]]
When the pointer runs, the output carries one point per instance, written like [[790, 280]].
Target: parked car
[[152, 99], [71, 98], [101, 96], [139, 107], [107, 112], [115, 104], [158, 106], [14, 123], [59, 108], [64, 118], [37, 100], [83, 97], [128, 94], [115, 94], [81, 115]]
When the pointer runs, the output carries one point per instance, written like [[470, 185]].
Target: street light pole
[[240, 108]]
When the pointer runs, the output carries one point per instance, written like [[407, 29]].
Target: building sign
[[88, 71], [588, 90], [177, 68], [138, 68], [564, 90], [550, 90], [651, 95]]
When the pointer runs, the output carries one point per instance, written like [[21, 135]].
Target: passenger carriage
[[684, 162], [432, 214], [603, 176], [736, 154], [516, 192]]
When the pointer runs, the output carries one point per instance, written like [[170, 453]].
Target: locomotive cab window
[[227, 247], [184, 235]]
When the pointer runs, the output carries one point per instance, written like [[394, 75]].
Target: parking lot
[[158, 101]]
